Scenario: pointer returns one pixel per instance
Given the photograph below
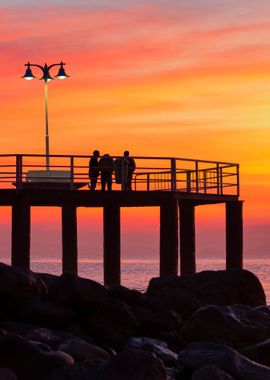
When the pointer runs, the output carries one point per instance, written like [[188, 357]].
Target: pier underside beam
[[234, 235], [168, 238], [111, 244], [69, 239], [187, 238], [20, 246]]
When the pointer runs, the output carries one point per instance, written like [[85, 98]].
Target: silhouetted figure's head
[[96, 153], [126, 153]]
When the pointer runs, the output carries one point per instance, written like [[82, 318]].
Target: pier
[[176, 185]]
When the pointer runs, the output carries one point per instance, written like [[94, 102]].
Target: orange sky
[[160, 78]]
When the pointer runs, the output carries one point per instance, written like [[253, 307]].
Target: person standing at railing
[[131, 166], [106, 169], [94, 169]]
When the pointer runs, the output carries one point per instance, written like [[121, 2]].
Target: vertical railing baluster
[[197, 176], [205, 181], [217, 176], [173, 174], [18, 171], [71, 171], [221, 180], [238, 180]]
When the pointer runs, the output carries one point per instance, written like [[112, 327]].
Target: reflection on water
[[137, 273]]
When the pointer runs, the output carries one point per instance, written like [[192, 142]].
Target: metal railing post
[[18, 171], [173, 175], [218, 182], [188, 181], [148, 181], [221, 180], [205, 181], [238, 180], [197, 176], [71, 171]]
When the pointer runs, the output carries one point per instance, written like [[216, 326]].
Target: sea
[[136, 273]]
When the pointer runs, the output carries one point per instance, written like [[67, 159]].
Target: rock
[[129, 296], [168, 357], [46, 313], [16, 284], [233, 325], [48, 279], [78, 293], [211, 372], [52, 338], [81, 351], [137, 343], [17, 328], [165, 321], [198, 355], [172, 373], [25, 359], [259, 352], [185, 295], [112, 324], [133, 365], [77, 371], [6, 374]]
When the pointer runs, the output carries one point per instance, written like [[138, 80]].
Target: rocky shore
[[210, 326]]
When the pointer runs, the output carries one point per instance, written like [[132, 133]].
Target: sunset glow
[[159, 78]]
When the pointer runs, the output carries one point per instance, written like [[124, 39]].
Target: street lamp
[[46, 78]]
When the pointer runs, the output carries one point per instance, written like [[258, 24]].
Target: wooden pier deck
[[176, 185]]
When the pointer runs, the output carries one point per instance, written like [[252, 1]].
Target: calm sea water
[[137, 273]]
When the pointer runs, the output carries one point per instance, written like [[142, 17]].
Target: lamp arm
[[56, 64], [33, 64]]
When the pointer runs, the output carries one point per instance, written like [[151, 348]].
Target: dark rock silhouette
[[234, 325], [133, 365], [211, 372], [71, 328], [186, 294], [198, 355]]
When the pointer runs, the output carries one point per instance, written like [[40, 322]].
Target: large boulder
[[159, 348], [236, 325], [52, 338], [187, 293], [79, 293], [17, 284], [129, 296], [198, 355], [46, 313], [133, 365], [81, 351], [26, 360], [6, 374], [259, 352], [211, 372], [112, 324], [160, 322]]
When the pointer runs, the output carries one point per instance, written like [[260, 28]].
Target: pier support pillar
[[168, 238], [187, 238], [20, 246], [234, 235], [111, 245], [69, 239]]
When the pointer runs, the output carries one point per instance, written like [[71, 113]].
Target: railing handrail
[[115, 156]]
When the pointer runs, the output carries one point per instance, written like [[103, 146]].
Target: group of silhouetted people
[[123, 167]]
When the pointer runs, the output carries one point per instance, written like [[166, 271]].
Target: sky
[[160, 78]]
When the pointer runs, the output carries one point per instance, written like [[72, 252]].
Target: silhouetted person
[[106, 170], [131, 166], [94, 170]]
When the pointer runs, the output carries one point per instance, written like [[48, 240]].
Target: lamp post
[[46, 78]]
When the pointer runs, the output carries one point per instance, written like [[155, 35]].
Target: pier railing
[[151, 174]]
